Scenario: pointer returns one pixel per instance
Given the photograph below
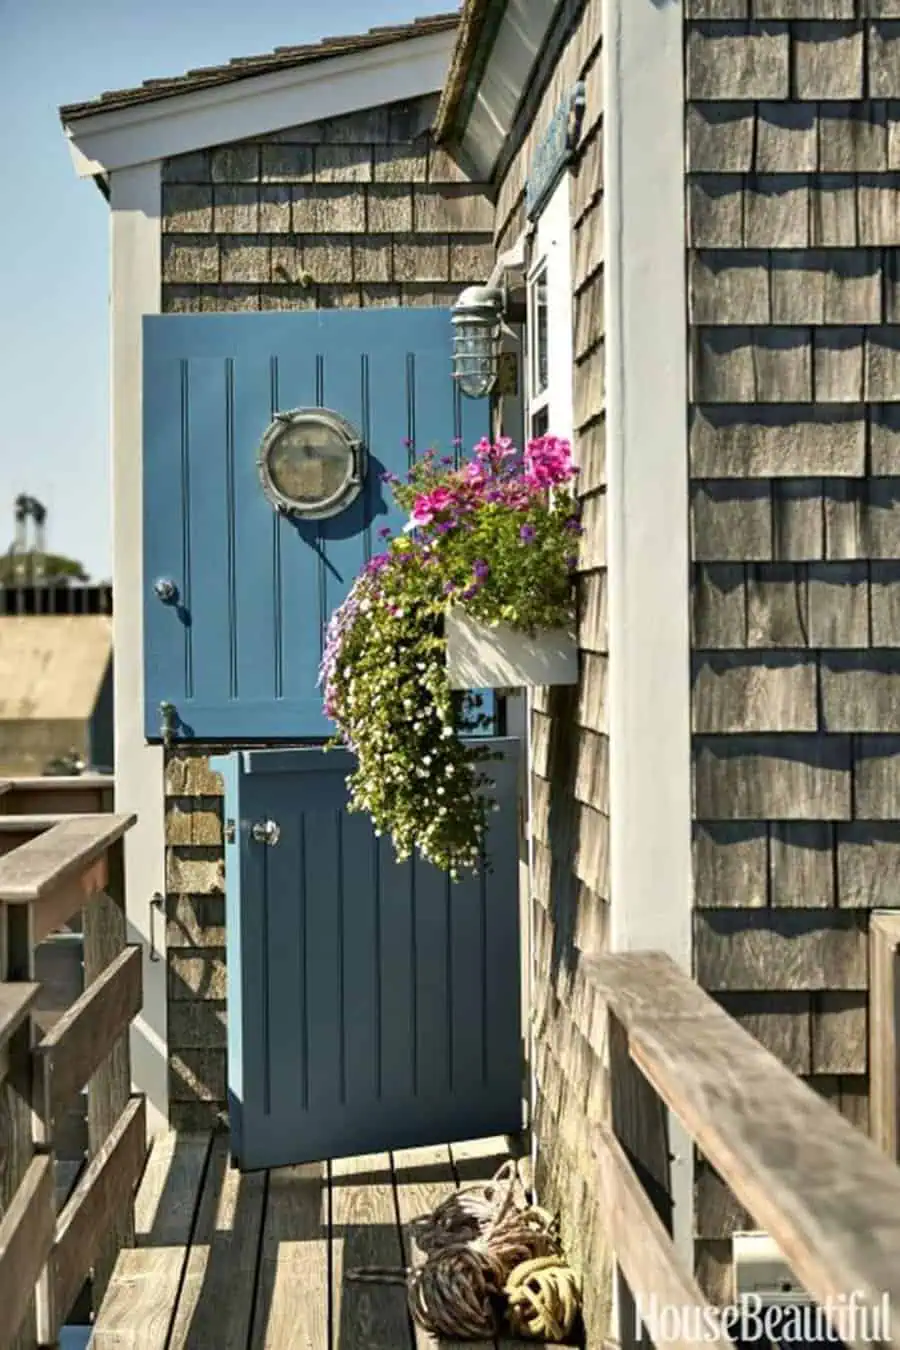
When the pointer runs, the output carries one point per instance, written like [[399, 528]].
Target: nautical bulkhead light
[[476, 324]]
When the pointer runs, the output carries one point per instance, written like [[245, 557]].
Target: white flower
[[426, 759]]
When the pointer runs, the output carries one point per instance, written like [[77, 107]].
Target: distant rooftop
[[245, 67]]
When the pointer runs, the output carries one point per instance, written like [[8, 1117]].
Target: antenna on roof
[[33, 561]]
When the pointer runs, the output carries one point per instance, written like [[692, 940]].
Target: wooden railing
[[825, 1194], [57, 868]]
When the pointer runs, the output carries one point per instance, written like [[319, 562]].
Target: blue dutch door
[[371, 1005]]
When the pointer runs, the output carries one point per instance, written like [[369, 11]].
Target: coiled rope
[[489, 1254]]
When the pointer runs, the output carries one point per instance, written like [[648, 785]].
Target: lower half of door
[[372, 1004]]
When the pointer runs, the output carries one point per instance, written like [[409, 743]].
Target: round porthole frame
[[349, 489]]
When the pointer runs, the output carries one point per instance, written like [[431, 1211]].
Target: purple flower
[[389, 478], [408, 442], [527, 533], [574, 525], [481, 570], [449, 587], [457, 441], [470, 592], [446, 459], [571, 562], [384, 533]]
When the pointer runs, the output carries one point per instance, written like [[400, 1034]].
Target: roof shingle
[[245, 67]]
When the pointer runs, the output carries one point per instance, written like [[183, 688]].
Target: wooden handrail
[[15, 1004], [57, 872], [825, 1194], [58, 854], [53, 867], [85, 1034], [83, 1225], [641, 1243], [26, 1240]]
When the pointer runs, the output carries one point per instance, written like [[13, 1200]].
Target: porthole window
[[311, 463]]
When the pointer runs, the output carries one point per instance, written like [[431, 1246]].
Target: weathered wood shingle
[[792, 143]]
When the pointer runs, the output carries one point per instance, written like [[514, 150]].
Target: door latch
[[266, 832], [157, 906]]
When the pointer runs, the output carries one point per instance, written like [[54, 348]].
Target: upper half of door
[[238, 590]]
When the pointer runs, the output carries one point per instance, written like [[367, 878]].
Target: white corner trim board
[[647, 506], [136, 287], [257, 106]]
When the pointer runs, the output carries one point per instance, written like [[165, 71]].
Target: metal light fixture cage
[[312, 463], [476, 325]]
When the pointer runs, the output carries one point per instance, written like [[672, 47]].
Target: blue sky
[[54, 227]]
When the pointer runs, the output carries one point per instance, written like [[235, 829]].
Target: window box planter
[[483, 657]]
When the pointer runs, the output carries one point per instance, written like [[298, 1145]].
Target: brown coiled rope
[[472, 1243]]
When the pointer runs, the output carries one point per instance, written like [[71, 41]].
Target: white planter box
[[480, 657]]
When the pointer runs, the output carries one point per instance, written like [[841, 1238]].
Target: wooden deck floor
[[256, 1262]]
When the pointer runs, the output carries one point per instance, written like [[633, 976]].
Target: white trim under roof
[[119, 138], [521, 36]]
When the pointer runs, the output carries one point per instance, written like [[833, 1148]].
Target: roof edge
[[250, 67], [475, 38], [236, 108]]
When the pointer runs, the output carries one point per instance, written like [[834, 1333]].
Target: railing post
[[884, 1031], [109, 1089], [16, 1146], [640, 1122]]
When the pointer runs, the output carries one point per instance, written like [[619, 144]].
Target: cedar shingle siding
[[792, 141], [570, 806], [357, 211]]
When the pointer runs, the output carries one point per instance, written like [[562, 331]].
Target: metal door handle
[[166, 590], [266, 832]]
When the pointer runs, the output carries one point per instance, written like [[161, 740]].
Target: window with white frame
[[549, 334]]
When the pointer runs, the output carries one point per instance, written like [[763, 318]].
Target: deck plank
[[366, 1232], [139, 1306], [291, 1309], [424, 1178], [216, 1302]]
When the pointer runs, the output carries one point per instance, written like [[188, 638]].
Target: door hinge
[[168, 722]]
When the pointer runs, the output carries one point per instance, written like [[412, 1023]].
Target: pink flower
[[475, 473], [430, 504], [548, 461]]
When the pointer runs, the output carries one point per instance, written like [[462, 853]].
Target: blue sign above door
[[238, 589]]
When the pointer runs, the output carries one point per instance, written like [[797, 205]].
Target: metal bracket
[[168, 722]]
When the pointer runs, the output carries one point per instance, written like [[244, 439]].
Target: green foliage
[[22, 568]]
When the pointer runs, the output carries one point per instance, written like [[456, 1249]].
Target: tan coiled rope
[[474, 1244]]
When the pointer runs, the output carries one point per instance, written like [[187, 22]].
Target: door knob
[[266, 832], [166, 590]]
